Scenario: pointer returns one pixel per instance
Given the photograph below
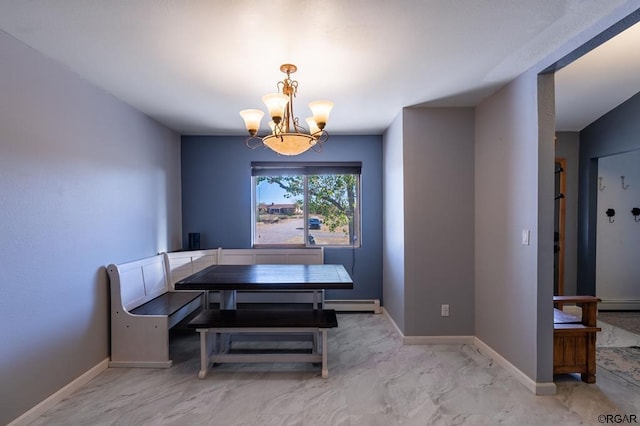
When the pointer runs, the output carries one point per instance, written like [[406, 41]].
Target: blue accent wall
[[616, 132], [216, 200]]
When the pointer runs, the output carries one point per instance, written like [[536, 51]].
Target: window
[[306, 204]]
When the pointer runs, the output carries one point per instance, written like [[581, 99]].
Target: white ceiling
[[598, 81], [193, 65]]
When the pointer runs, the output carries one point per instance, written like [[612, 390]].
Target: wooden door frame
[[561, 223]]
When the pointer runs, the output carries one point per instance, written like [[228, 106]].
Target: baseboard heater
[[371, 305]]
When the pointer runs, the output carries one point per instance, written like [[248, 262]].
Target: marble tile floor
[[627, 320], [373, 380]]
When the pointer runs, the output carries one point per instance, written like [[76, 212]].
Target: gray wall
[[438, 220], [614, 133], [428, 224], [513, 180], [216, 190], [393, 229], [568, 147], [84, 181]]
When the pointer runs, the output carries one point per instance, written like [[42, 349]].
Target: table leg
[[204, 353], [227, 299], [318, 299], [325, 368]]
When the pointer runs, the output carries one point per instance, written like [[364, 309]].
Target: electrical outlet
[[445, 310]]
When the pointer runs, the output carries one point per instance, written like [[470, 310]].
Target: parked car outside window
[[314, 223]]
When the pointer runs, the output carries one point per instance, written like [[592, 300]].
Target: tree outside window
[[306, 205]]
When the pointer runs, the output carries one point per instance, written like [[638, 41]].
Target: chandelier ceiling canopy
[[288, 136]]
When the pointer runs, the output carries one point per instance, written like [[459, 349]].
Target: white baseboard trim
[[535, 387], [619, 304], [140, 364], [393, 323], [428, 340], [61, 394], [538, 388], [438, 340]]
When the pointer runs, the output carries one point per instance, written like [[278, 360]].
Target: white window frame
[[347, 169]]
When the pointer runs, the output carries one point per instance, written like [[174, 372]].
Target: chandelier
[[287, 136]]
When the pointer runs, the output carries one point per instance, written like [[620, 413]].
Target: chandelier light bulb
[[276, 104], [252, 118], [321, 110]]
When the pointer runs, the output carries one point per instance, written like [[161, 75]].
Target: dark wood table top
[[268, 277]]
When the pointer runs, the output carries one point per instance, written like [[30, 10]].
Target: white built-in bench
[[143, 309]]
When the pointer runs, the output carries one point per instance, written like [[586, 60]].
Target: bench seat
[[561, 317], [169, 304], [165, 304], [212, 323]]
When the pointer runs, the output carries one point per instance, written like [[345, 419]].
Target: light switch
[[525, 237]]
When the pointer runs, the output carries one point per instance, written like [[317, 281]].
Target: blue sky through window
[[271, 193]]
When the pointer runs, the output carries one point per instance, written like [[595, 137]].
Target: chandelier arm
[[290, 117], [317, 147], [278, 129], [322, 136], [298, 128], [253, 145]]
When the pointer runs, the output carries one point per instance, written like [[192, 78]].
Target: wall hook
[[623, 185], [601, 187], [636, 214], [610, 213]]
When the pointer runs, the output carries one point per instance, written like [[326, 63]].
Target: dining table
[[229, 279]]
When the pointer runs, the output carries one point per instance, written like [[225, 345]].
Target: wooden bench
[[574, 338], [213, 349], [143, 309]]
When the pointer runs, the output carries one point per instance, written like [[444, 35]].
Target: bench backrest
[[303, 256], [135, 283], [181, 264]]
